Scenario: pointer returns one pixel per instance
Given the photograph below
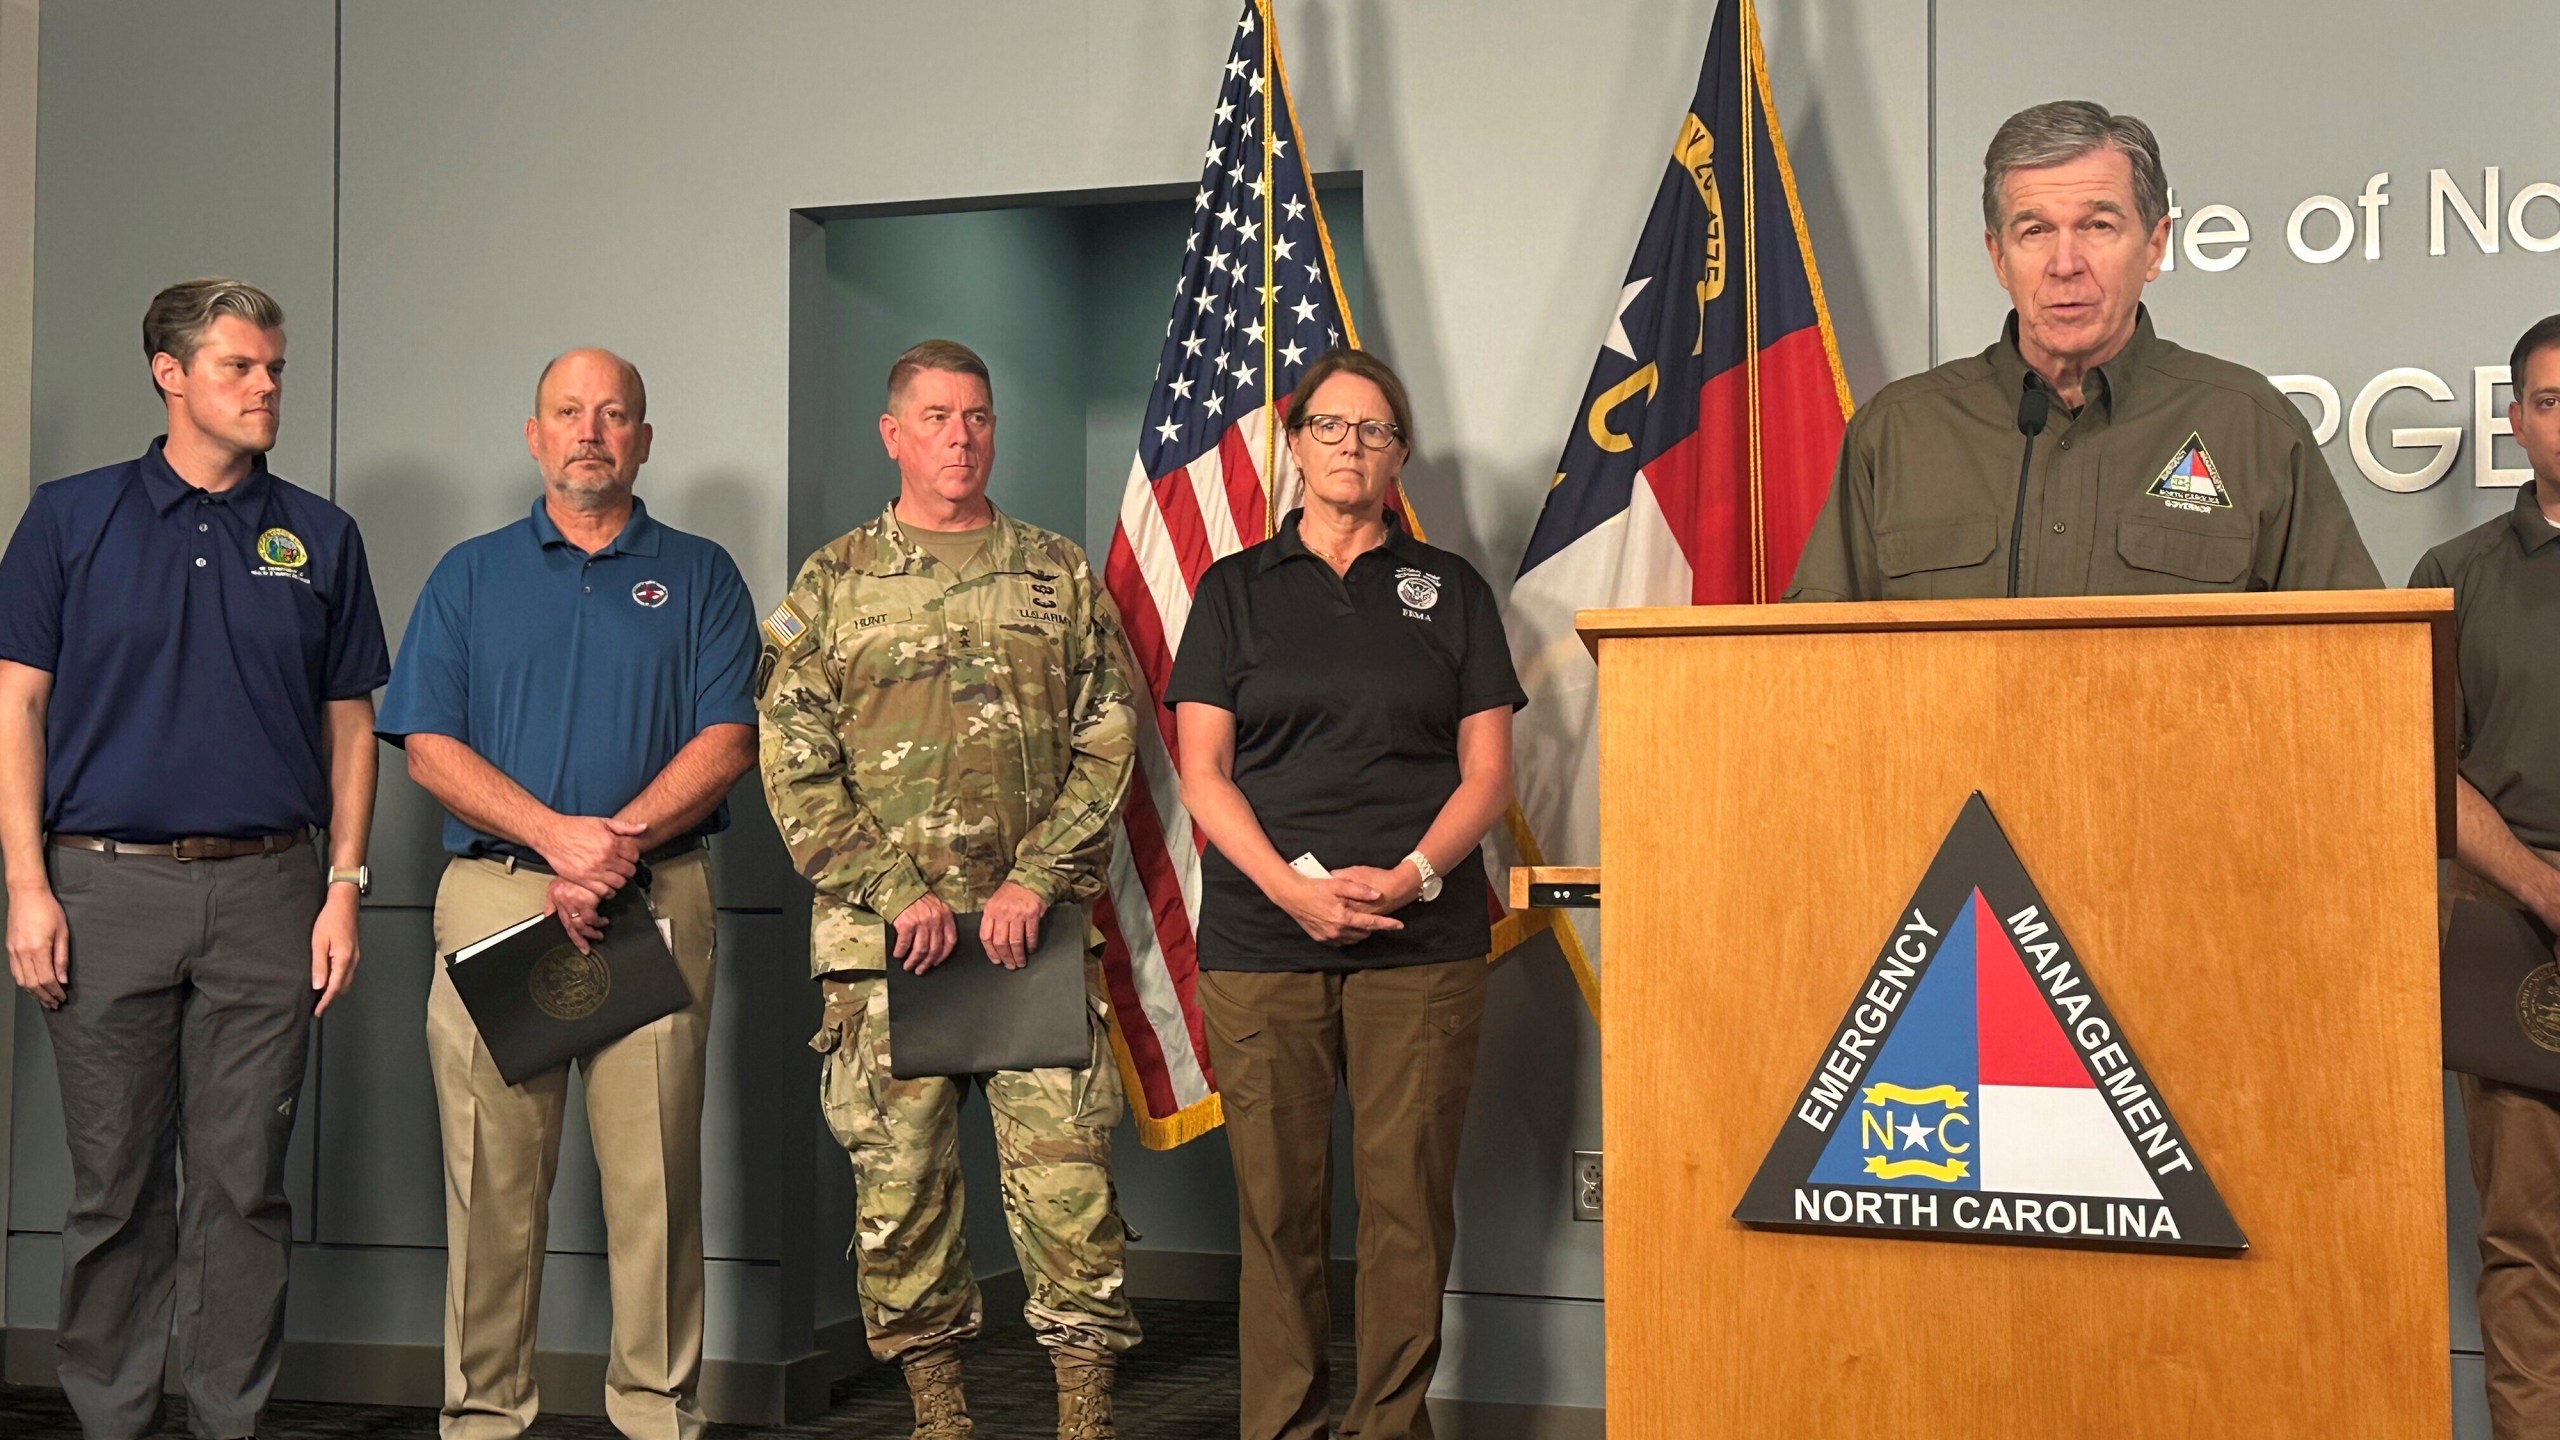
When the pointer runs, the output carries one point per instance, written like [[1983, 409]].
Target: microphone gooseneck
[[2034, 403]]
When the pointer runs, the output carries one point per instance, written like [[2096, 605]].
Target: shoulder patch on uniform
[[784, 625], [2191, 481]]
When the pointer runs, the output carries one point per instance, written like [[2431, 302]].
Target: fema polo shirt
[[195, 638], [2505, 578], [2179, 473], [579, 676], [1347, 692]]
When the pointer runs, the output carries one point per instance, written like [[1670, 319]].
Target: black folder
[[2501, 997], [539, 1003], [971, 1016]]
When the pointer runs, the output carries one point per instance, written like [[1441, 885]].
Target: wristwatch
[[360, 877], [1430, 877]]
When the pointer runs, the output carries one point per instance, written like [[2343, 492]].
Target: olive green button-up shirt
[[2505, 578], [2179, 473]]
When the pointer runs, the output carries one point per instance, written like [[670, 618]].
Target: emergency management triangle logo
[[2191, 481], [1980, 1089]]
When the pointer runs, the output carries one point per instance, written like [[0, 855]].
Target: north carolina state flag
[[1704, 444]]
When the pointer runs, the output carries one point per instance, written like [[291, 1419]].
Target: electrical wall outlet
[[1586, 1184]]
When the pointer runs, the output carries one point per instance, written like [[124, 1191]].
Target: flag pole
[[1749, 47], [1270, 276]]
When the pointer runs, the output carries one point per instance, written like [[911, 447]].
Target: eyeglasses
[[1374, 434]]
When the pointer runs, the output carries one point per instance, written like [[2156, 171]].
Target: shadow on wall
[[1814, 133]]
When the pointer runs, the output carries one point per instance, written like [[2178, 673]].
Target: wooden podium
[[2234, 805]]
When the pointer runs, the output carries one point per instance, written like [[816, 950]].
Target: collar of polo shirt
[[1287, 546], [2527, 518], [639, 533], [167, 489], [2114, 379]]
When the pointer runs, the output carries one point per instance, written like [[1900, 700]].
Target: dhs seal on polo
[[1417, 590]]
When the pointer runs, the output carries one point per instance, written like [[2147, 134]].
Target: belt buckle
[[186, 848]]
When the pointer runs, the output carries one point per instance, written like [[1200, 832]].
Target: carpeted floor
[[1179, 1385]]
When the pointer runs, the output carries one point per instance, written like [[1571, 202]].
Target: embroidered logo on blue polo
[[282, 556], [283, 547], [650, 594]]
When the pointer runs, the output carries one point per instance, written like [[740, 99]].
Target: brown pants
[[502, 1149], [1404, 1040], [2515, 1162]]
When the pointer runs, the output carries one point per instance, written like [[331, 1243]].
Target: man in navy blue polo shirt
[[574, 689], [188, 654]]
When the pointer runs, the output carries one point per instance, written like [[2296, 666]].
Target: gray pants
[[182, 1038]]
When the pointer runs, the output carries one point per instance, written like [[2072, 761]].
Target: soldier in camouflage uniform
[[947, 726]]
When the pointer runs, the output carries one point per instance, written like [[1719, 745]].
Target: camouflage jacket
[[929, 731]]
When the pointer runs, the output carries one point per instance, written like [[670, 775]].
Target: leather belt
[[192, 847]]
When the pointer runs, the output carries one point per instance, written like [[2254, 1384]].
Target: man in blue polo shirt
[[188, 654], [574, 689]]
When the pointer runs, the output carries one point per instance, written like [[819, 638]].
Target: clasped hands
[[1350, 905], [591, 857]]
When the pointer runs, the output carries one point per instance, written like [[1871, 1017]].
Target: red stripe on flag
[[1703, 483], [1144, 625], [1137, 605], [1181, 508], [1145, 1055], [1152, 852], [1246, 499]]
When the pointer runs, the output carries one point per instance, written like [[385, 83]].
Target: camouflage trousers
[[1053, 1144]]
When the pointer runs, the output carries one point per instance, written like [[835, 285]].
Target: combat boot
[[1084, 1396], [933, 1383]]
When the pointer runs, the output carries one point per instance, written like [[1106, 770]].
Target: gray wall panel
[[141, 182], [762, 1091], [35, 1278], [39, 1165], [1512, 1349], [383, 1180]]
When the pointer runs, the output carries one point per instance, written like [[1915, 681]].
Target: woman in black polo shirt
[[1343, 698]]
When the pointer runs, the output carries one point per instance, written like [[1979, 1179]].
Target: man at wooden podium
[[2081, 454], [2505, 578]]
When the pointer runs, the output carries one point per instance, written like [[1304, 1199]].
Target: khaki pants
[[2515, 1162], [1404, 1040], [1053, 1151], [502, 1149]]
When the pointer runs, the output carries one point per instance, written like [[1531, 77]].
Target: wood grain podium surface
[[2233, 815]]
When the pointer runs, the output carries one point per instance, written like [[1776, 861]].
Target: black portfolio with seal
[[539, 1003], [2501, 997], [971, 1016]]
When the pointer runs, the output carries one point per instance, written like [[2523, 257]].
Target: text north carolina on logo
[[1979, 1088]]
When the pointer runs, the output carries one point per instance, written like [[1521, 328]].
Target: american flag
[[1257, 302]]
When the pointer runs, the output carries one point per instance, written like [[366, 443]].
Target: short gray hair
[[175, 324], [2061, 131], [946, 355]]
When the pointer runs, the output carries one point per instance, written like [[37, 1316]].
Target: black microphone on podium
[[2034, 403]]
